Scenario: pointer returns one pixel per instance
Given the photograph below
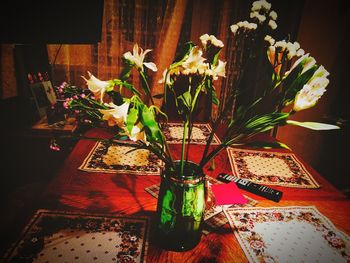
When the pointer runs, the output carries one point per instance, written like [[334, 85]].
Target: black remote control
[[258, 189]]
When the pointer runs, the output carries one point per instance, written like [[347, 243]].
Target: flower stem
[[147, 86], [182, 163]]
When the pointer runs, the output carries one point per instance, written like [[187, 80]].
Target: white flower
[[138, 134], [194, 62], [172, 72], [273, 15], [270, 39], [217, 71], [300, 52], [257, 15], [321, 72], [138, 57], [261, 4], [96, 86], [272, 24], [168, 81], [243, 24], [116, 115], [311, 92], [296, 45], [308, 63], [303, 59], [212, 40], [234, 28], [319, 84], [308, 96], [291, 50]]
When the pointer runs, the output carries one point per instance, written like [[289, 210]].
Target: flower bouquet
[[291, 78]]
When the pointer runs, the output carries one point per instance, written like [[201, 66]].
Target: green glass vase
[[180, 208]]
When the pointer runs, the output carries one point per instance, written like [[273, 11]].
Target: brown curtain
[[160, 25], [125, 22], [168, 41], [8, 83]]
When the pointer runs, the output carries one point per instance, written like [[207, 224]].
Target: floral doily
[[288, 234], [273, 168], [112, 158], [200, 133], [57, 236]]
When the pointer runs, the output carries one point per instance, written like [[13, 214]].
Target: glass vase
[[180, 208]]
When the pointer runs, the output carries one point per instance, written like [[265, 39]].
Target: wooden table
[[124, 194]]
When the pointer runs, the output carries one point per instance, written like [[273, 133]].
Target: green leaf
[[214, 98], [121, 137], [144, 83], [131, 118], [125, 74], [182, 53], [266, 122], [186, 98], [267, 145], [127, 85], [313, 125], [150, 124]]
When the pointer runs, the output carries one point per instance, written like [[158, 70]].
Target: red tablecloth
[[124, 194]]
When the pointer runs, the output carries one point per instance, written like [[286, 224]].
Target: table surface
[[76, 190]]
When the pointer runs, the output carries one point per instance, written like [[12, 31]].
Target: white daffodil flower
[[234, 28], [308, 96], [303, 58], [300, 52], [273, 15], [272, 24], [172, 72], [257, 15], [96, 86], [308, 63], [138, 56], [218, 70], [194, 63], [243, 24], [138, 134], [212, 40], [258, 5], [116, 115], [270, 39], [321, 72]]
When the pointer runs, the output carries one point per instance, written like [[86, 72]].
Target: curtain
[[168, 42], [125, 22], [8, 81], [160, 25]]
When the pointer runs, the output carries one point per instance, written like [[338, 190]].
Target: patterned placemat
[[56, 236], [273, 168], [200, 133], [288, 234], [214, 217], [112, 158]]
